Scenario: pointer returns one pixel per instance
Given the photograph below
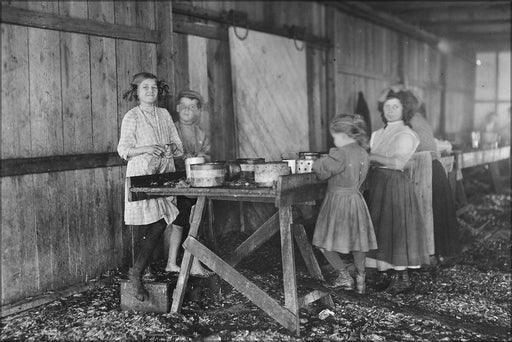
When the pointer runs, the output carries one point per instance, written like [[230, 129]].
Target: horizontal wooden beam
[[347, 70], [181, 25], [401, 6], [366, 12], [24, 166], [51, 21], [453, 14], [200, 28], [479, 38], [489, 29], [464, 22]]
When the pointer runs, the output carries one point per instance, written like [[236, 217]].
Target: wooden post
[[165, 60], [211, 231], [181, 284], [330, 29], [242, 217], [288, 259]]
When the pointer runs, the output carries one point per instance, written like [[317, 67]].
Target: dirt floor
[[467, 297]]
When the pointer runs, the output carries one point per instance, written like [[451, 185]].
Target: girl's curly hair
[[352, 125], [131, 92], [408, 101]]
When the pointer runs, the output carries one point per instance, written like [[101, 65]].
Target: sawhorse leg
[[311, 264], [288, 258], [186, 264]]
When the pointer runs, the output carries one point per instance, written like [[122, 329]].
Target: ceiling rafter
[[478, 23], [398, 6]]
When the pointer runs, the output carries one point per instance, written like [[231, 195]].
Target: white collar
[[395, 123]]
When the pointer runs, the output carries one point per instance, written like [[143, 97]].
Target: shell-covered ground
[[466, 298]]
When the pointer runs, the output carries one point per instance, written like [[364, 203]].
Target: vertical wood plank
[[15, 104], [288, 259], [126, 231], [331, 30], [222, 138], [165, 51], [103, 82], [10, 241], [145, 17], [45, 93], [127, 57], [181, 72], [73, 224], [116, 183], [46, 136], [105, 135], [198, 75], [77, 121], [76, 84]]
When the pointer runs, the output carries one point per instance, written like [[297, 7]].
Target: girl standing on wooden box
[[344, 224], [145, 131], [392, 202]]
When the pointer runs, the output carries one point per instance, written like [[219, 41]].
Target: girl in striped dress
[[145, 131]]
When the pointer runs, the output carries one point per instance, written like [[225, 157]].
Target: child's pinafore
[[344, 222], [394, 207], [142, 129]]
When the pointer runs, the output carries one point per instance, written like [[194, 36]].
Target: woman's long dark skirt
[[396, 219], [446, 237]]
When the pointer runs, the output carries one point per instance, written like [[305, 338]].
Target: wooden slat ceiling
[[478, 24]]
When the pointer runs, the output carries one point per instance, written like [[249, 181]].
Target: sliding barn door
[[270, 94]]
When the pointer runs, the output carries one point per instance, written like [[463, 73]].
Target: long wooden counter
[[480, 157]]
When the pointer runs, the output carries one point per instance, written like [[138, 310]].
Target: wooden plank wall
[[459, 101], [367, 61], [220, 108], [62, 95], [422, 72]]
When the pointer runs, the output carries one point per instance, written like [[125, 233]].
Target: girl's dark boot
[[152, 235], [135, 277], [399, 282], [360, 282], [359, 260]]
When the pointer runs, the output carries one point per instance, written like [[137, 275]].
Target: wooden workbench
[[289, 190], [466, 159]]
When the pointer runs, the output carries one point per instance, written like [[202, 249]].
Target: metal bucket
[[207, 175]]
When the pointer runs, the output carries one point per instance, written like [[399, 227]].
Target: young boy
[[195, 144]]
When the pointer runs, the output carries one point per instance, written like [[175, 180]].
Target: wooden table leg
[[211, 232], [186, 263], [288, 258], [312, 265]]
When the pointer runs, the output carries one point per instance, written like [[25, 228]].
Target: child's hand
[[170, 150], [155, 150]]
